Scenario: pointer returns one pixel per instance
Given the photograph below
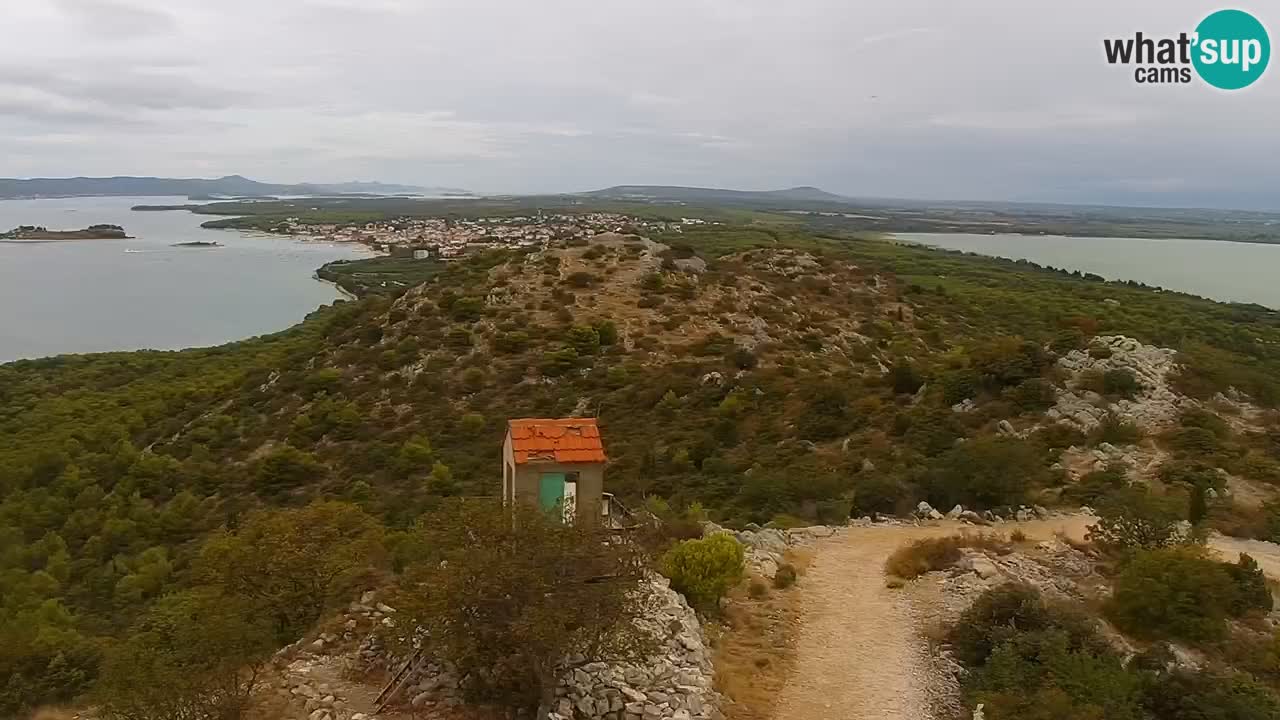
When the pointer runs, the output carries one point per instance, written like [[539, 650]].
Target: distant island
[[93, 232], [227, 187], [198, 243]]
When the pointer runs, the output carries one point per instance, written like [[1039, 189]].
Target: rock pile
[[1024, 513], [675, 683], [766, 547], [319, 700], [1156, 406]]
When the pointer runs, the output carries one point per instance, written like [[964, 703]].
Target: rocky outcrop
[[674, 683], [1054, 568], [1155, 407]]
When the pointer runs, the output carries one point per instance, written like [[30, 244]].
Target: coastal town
[[448, 238]]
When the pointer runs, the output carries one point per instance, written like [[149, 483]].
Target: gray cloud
[[992, 99], [116, 18]]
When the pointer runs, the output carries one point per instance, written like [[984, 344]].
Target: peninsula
[[93, 232]]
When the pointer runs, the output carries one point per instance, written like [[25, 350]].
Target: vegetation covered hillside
[[762, 374]]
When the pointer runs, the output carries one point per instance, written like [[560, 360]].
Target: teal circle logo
[[1232, 49]]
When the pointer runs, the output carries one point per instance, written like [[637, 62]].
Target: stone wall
[[675, 683]]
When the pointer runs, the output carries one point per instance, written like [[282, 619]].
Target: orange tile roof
[[564, 440]]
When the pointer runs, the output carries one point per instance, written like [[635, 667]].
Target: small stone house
[[557, 464]]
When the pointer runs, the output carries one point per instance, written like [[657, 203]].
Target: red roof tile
[[564, 440]]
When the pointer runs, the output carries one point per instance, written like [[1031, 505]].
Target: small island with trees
[[93, 232]]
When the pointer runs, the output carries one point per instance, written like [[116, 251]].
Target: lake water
[[1225, 271], [97, 295]]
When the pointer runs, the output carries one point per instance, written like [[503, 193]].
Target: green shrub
[[558, 362], [1030, 395], [1251, 591], [1135, 518], [471, 423], [1120, 381], [607, 331], [1174, 593], [286, 468], [904, 378], [876, 492], [585, 339], [1008, 361], [1188, 695], [1003, 612], [703, 570], [1116, 431], [1096, 485], [986, 472], [1195, 441], [511, 342]]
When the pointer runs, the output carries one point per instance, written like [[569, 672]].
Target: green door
[[551, 490]]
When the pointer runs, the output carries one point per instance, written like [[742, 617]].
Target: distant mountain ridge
[[678, 193], [230, 185]]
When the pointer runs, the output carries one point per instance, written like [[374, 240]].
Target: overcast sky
[[981, 99]]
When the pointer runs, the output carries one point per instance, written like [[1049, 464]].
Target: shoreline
[[1108, 276], [42, 241], [345, 293]]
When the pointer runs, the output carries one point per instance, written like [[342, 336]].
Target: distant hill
[[672, 193], [230, 185]]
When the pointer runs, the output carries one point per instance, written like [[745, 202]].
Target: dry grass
[[754, 646], [922, 556]]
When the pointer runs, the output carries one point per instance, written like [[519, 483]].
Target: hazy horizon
[[920, 100]]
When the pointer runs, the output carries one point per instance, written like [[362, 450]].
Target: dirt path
[[859, 654]]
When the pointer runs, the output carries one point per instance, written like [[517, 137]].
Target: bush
[[1251, 588], [286, 468], [1003, 612], [1174, 593], [607, 331], [1187, 695], [506, 593], [1116, 431], [1008, 361], [785, 577], [879, 493], [703, 570], [904, 378], [1120, 381], [1096, 485], [511, 342], [471, 423], [929, 554], [1134, 518], [581, 279], [1031, 395], [584, 339], [986, 472], [195, 655], [1195, 441], [558, 362]]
